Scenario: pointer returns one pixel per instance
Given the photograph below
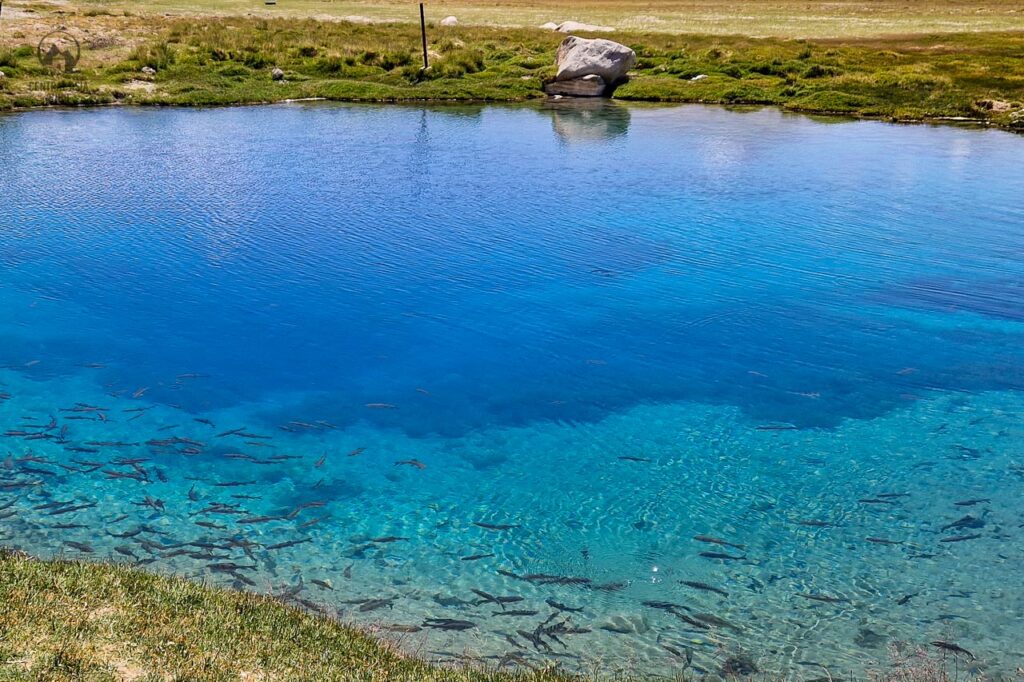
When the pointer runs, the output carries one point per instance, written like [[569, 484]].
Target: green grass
[[63, 621], [209, 60]]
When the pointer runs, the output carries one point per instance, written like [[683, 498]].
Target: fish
[[207, 422], [320, 462], [374, 604], [546, 579], [388, 538], [80, 546], [905, 598], [971, 502], [477, 557], [448, 624], [883, 541], [705, 587], [692, 621], [874, 500], [290, 543], [967, 521], [495, 526], [558, 606], [486, 598], [629, 458], [718, 541], [322, 584], [961, 538], [954, 648], [612, 586], [209, 524], [813, 523], [722, 556], [824, 598], [514, 613], [381, 406], [411, 462], [535, 639]]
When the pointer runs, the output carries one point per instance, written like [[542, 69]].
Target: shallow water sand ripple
[[764, 405]]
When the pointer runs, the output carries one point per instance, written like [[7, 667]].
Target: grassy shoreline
[[217, 60]]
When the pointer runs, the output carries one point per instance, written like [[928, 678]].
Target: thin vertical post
[[423, 32]]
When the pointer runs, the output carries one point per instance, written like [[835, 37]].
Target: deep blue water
[[518, 297]]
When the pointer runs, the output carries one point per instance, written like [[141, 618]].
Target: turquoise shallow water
[[392, 362]]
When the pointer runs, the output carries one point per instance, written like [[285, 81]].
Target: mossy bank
[[211, 60]]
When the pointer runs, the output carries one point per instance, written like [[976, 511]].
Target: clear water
[[613, 330]]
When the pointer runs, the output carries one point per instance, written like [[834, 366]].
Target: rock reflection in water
[[588, 120]]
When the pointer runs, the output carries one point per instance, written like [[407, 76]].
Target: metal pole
[[423, 31]]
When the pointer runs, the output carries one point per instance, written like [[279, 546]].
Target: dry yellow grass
[[759, 18]]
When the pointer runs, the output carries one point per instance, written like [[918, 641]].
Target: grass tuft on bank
[[64, 621], [213, 60]]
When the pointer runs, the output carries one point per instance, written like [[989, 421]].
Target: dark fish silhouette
[[558, 606], [705, 587], [448, 624], [961, 538], [374, 604], [718, 541], [905, 598], [411, 462], [477, 557], [971, 502], [514, 613], [965, 522], [495, 526], [722, 556], [629, 458], [824, 598], [486, 598], [954, 648], [884, 541]]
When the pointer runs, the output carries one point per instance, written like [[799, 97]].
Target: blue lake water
[[310, 349]]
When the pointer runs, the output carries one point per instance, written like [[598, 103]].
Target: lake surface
[[391, 362]]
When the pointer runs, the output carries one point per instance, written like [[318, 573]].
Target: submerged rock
[[578, 27], [579, 57], [739, 665], [632, 624], [449, 21], [587, 86]]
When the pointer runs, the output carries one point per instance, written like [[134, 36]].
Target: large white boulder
[[449, 21], [579, 27], [579, 57]]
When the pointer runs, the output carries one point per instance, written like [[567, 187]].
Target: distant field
[[777, 18]]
